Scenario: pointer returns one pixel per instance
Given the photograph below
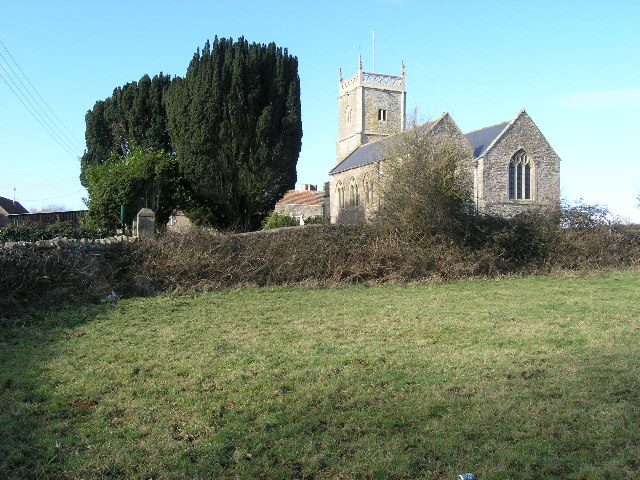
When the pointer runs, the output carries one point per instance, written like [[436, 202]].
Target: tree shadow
[[31, 413]]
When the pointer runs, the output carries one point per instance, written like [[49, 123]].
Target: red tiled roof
[[12, 207], [302, 197]]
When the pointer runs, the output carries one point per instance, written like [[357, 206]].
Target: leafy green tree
[[235, 124], [141, 178]]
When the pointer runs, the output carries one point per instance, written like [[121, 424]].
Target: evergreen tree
[[133, 115], [235, 124]]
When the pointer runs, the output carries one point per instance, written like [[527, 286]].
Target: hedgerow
[[532, 244], [33, 233]]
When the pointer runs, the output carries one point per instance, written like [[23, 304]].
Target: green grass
[[530, 378]]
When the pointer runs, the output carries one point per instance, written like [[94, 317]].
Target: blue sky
[[574, 66]]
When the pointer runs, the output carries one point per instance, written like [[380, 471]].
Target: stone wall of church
[[351, 213], [349, 123], [358, 121], [493, 171]]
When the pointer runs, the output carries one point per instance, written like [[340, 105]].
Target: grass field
[[528, 378]]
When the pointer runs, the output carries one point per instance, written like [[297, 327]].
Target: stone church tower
[[370, 106]]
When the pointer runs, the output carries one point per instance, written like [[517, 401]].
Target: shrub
[[142, 178], [426, 189], [33, 233], [278, 220], [583, 216], [317, 220], [32, 278], [528, 244]]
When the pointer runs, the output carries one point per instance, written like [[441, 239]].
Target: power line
[[79, 142], [21, 174], [53, 198], [47, 129], [35, 108]]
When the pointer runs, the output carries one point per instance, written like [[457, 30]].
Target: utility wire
[[34, 108], [53, 198], [13, 76], [79, 142], [47, 129], [21, 174]]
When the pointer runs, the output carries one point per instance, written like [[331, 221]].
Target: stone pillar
[[145, 223]]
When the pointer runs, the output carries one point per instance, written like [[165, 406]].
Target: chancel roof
[[12, 207], [482, 139]]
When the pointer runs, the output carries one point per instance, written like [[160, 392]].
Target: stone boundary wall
[[63, 243]]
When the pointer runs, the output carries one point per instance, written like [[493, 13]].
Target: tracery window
[[354, 196], [520, 178], [340, 190], [368, 189]]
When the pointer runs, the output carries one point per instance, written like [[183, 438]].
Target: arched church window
[[340, 191], [368, 189], [354, 196], [520, 177]]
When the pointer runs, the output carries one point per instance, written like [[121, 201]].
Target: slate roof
[[12, 207], [374, 151], [363, 155], [482, 139], [302, 197]]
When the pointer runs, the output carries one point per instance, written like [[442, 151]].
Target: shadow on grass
[[30, 415]]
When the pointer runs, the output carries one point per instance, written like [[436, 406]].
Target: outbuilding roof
[[302, 197], [11, 207]]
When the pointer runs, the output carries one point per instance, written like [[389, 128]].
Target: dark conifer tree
[[236, 127], [133, 115], [233, 121]]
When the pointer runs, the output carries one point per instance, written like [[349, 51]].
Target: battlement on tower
[[372, 80]]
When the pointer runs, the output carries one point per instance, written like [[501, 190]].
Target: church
[[512, 165]]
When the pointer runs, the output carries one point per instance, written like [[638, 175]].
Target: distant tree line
[[221, 143]]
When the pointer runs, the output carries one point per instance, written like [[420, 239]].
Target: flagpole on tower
[[374, 51]]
